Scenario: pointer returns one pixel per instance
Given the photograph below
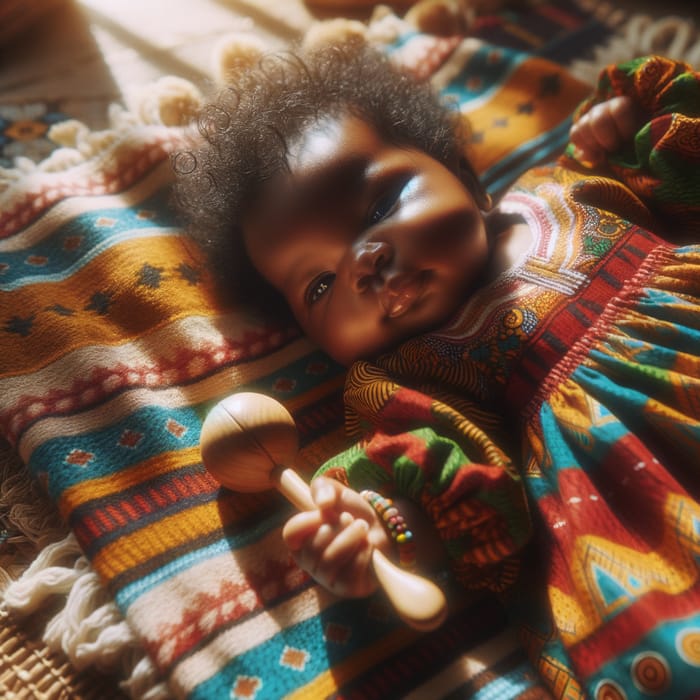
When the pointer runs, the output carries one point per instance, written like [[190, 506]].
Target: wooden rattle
[[246, 441]]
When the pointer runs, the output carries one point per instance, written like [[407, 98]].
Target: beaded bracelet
[[396, 525]]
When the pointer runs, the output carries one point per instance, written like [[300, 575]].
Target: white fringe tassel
[[671, 37], [89, 629]]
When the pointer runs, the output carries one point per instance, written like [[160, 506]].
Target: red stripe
[[92, 527], [157, 497], [562, 18], [143, 504], [117, 515], [103, 520], [107, 524], [130, 510]]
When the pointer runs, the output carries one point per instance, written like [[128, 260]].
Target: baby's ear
[[471, 181]]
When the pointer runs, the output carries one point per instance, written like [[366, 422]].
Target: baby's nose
[[369, 260]]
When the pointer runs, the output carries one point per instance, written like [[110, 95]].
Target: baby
[[536, 361]]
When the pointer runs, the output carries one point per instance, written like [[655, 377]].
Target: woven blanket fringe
[[640, 35], [170, 102], [89, 628]]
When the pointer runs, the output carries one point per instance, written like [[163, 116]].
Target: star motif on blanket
[[25, 130], [20, 325], [150, 276], [130, 439], [284, 385], [339, 634], [550, 85], [36, 260], [174, 428], [189, 273], [100, 303], [72, 243]]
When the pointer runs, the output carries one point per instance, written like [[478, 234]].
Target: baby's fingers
[[604, 129], [624, 114], [344, 567], [343, 547], [301, 528]]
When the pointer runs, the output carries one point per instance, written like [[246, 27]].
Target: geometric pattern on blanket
[[114, 344]]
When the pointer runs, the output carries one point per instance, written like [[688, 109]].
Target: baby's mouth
[[400, 292]]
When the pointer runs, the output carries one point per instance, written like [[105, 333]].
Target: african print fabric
[[551, 430]]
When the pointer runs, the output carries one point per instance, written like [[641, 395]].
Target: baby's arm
[[470, 517]]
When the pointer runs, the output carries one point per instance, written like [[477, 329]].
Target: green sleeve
[[661, 165], [478, 509]]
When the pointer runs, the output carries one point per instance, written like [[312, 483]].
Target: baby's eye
[[318, 287], [385, 205]]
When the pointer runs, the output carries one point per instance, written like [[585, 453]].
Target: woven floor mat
[[28, 671]]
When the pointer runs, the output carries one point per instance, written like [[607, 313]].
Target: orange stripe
[[115, 276], [162, 463], [131, 551], [524, 85], [327, 683], [522, 33]]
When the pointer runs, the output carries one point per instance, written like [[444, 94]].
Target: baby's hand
[[334, 542], [604, 129]]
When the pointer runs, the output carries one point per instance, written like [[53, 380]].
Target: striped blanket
[[114, 344]]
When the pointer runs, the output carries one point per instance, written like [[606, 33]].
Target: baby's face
[[369, 242]]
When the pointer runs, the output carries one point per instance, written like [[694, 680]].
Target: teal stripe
[[46, 275], [548, 145], [319, 652], [80, 240], [110, 456], [105, 455], [492, 65], [306, 374]]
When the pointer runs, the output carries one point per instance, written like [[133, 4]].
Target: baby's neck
[[509, 240]]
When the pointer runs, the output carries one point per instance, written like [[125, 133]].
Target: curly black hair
[[245, 131]]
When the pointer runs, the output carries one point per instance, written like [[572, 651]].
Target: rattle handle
[[292, 487], [417, 600]]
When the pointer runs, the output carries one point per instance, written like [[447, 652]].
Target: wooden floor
[[85, 54]]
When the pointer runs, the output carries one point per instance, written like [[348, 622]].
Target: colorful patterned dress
[[551, 431]]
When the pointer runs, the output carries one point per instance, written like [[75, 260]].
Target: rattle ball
[[244, 438]]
